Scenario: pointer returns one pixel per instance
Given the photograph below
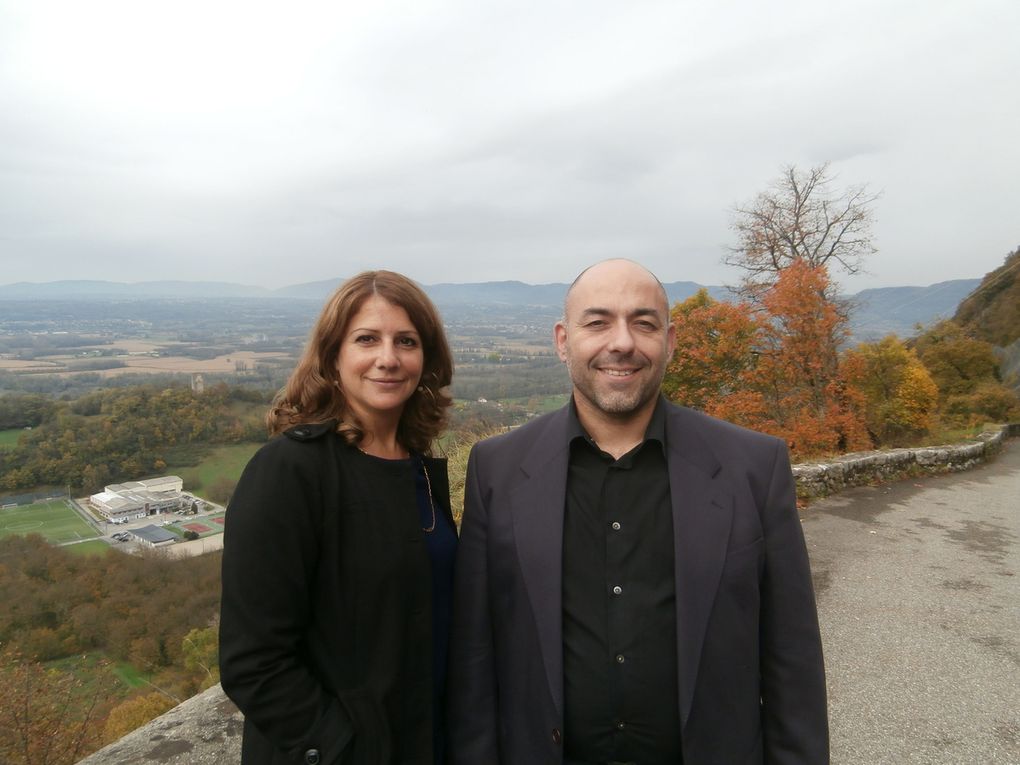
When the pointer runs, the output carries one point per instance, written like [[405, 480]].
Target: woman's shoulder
[[298, 443]]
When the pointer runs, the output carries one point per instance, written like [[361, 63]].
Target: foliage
[[135, 608], [966, 371], [47, 716], [901, 399], [201, 651], [457, 449], [23, 410], [780, 370], [120, 434], [134, 713], [716, 352], [992, 311], [802, 218]]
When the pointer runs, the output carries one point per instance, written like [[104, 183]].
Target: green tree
[[966, 371], [901, 399]]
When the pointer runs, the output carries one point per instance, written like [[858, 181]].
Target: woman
[[338, 555]]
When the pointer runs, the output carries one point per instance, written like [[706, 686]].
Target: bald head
[[618, 271]]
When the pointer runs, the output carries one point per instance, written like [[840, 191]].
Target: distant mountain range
[[878, 312]]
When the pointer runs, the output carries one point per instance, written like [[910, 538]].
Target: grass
[[92, 547], [129, 674], [225, 461], [9, 438], [55, 520]]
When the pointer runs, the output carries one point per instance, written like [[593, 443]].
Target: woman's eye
[[408, 342], [364, 339]]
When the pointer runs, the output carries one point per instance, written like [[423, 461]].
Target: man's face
[[616, 339]]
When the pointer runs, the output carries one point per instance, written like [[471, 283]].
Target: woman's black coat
[[326, 618]]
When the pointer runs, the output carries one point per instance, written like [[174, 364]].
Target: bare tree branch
[[801, 217]]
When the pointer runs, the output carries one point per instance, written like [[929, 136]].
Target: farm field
[[54, 520]]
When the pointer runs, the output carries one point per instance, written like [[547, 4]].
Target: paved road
[[918, 587]]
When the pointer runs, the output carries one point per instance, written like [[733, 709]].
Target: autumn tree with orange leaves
[[774, 368]]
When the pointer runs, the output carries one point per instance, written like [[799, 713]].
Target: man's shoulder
[[721, 433], [524, 437]]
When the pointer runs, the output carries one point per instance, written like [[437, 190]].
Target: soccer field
[[54, 520]]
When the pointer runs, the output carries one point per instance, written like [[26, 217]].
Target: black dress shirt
[[619, 603]]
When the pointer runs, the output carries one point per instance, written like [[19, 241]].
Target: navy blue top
[[442, 547]]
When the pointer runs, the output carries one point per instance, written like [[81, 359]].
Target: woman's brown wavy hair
[[312, 393]]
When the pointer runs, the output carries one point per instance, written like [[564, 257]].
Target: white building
[[120, 502]]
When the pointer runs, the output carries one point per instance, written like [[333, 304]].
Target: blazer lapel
[[537, 506], [702, 514]]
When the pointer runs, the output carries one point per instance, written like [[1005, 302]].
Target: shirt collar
[[656, 430]]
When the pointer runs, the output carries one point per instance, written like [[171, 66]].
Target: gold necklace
[[432, 505]]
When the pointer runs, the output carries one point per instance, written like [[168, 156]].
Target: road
[[918, 586]]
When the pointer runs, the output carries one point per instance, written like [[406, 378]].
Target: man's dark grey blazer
[[751, 679]]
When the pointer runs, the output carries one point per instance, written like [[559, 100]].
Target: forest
[[93, 646], [116, 434]]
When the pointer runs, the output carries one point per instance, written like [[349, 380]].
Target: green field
[[92, 547], [223, 461], [54, 520], [9, 438]]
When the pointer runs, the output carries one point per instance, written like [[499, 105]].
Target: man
[[632, 584]]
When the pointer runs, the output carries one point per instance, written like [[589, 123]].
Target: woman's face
[[380, 361]]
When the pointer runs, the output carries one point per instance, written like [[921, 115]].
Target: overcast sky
[[274, 143]]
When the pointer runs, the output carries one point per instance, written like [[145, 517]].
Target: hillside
[[992, 311]]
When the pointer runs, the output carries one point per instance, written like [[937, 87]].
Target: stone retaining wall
[[206, 729], [863, 468]]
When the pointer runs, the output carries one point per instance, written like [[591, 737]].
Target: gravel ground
[[919, 601]]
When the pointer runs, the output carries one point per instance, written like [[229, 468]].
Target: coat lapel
[[537, 505], [702, 514]]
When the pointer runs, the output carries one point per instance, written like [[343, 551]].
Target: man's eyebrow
[[597, 311]]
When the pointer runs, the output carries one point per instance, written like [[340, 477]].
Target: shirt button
[[556, 736], [616, 526], [620, 659], [617, 590], [621, 725]]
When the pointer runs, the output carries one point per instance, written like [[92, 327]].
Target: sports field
[[204, 526], [55, 520]]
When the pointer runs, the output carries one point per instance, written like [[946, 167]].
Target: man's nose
[[622, 339]]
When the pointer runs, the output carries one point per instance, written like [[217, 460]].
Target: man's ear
[[671, 340], [560, 338]]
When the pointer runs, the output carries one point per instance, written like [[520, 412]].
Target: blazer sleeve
[[269, 559], [795, 726], [472, 692]]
